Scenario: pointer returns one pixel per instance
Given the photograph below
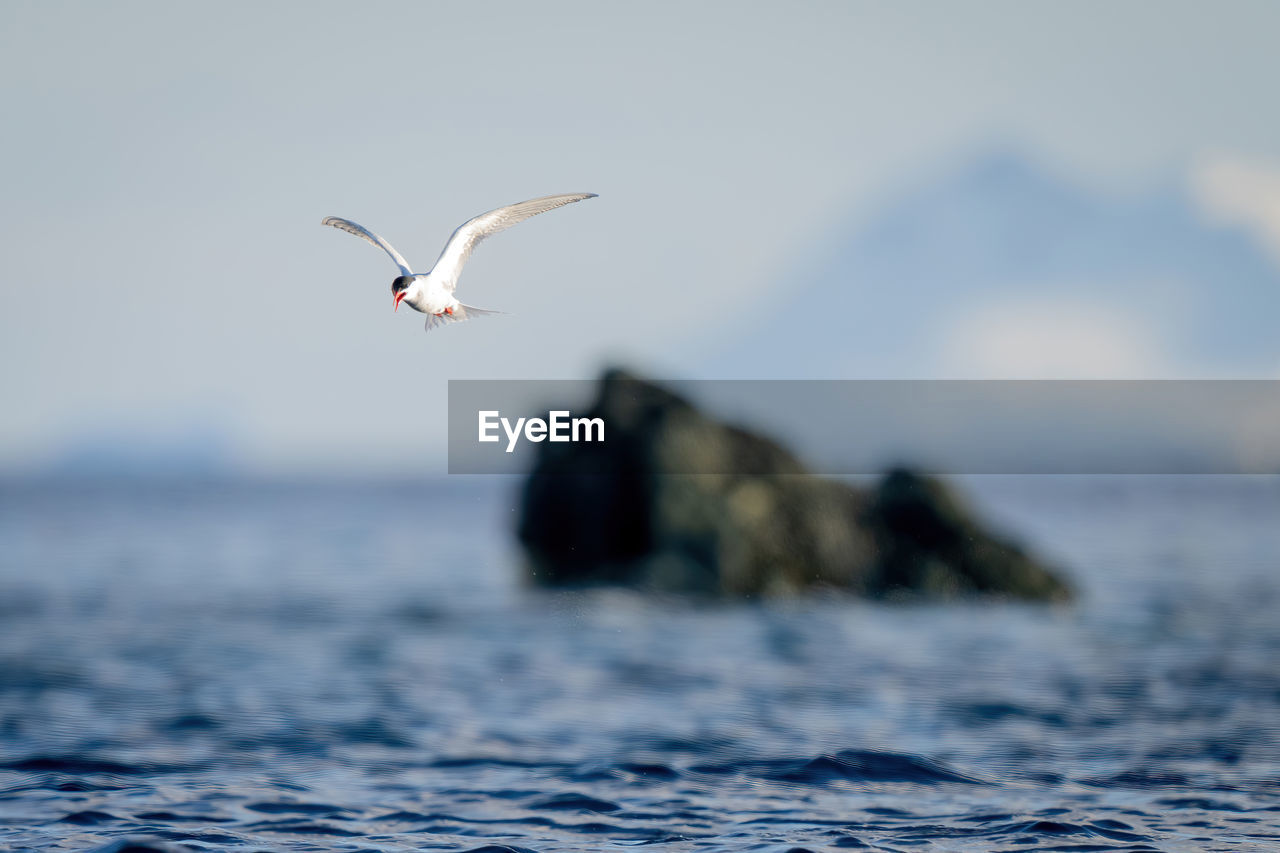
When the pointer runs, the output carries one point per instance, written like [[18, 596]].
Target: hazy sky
[[167, 166]]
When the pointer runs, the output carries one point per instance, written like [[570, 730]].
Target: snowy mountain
[[1001, 268]]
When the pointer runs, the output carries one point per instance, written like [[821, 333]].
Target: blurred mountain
[[115, 453], [1001, 268]]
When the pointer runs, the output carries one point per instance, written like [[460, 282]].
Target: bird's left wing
[[365, 234], [458, 249]]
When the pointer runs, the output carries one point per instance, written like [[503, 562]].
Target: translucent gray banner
[[864, 426]]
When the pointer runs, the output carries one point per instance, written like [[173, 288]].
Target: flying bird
[[432, 292]]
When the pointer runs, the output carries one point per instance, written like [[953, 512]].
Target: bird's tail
[[462, 312]]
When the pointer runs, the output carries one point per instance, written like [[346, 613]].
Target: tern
[[432, 292]]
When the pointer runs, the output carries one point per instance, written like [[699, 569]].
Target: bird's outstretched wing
[[365, 234], [458, 249]]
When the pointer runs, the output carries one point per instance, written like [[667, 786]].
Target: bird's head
[[399, 288]]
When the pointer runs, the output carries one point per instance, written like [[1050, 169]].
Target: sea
[[337, 665]]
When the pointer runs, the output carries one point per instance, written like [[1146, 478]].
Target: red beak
[[397, 298]]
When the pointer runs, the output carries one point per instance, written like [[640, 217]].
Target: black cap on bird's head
[[398, 289]]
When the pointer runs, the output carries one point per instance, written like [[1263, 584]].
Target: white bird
[[432, 292]]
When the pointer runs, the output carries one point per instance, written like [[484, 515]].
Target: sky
[[166, 168]]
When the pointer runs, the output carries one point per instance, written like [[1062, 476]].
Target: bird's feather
[[460, 313], [365, 234], [464, 239]]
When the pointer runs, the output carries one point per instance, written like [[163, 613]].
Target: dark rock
[[928, 542], [750, 520]]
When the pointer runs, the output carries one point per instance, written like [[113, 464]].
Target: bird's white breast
[[431, 297]]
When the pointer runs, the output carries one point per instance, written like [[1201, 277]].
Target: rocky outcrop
[[749, 521]]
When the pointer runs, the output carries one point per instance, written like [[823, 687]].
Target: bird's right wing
[[365, 234], [458, 249]]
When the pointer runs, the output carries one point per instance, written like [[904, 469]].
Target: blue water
[[357, 666]]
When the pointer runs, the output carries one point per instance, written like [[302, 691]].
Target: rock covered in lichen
[[676, 501]]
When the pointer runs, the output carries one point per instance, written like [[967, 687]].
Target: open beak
[[396, 300]]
